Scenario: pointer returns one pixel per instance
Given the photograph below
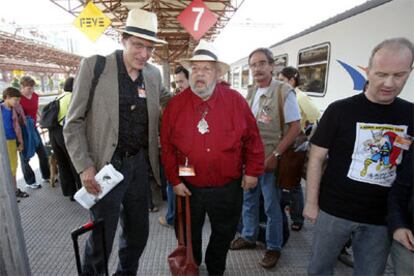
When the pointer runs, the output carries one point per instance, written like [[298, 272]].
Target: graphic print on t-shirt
[[375, 158]]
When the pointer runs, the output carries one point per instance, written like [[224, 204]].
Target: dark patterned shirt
[[133, 114]]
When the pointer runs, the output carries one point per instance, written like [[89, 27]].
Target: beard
[[203, 93]]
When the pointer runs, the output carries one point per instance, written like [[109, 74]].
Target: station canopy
[[30, 55], [180, 43]]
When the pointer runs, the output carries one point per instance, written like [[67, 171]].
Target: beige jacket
[[269, 132], [92, 141]]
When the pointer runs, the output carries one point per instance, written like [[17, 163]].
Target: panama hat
[[142, 24], [205, 51]]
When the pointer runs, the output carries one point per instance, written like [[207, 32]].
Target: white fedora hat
[[205, 51], [142, 24]]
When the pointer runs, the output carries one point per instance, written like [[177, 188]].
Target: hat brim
[[223, 67], [147, 37]]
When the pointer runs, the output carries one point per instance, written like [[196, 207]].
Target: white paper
[[108, 177]]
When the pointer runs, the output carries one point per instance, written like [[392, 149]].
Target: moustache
[[201, 81]]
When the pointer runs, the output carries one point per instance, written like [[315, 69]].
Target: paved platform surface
[[48, 218]]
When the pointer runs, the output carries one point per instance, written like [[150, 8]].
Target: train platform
[[48, 218]]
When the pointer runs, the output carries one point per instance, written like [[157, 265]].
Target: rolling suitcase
[[99, 224]]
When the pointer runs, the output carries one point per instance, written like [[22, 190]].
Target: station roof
[[31, 55], [180, 43]]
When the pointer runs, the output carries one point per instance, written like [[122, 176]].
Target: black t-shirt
[[362, 159]]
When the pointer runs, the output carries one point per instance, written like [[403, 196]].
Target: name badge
[[186, 170], [264, 116], [142, 93], [403, 142]]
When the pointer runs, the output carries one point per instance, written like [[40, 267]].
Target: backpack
[[50, 113]]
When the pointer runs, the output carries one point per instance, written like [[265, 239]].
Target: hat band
[[140, 31], [206, 53]]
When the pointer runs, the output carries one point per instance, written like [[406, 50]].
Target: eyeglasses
[[259, 64], [140, 47]]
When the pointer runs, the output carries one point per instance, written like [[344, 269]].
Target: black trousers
[[127, 203], [68, 178], [223, 206]]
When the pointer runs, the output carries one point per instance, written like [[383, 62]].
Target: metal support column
[[13, 254], [166, 75]]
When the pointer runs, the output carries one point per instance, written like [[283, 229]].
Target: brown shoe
[[270, 258], [241, 243]]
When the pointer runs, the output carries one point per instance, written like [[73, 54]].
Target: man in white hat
[[121, 127], [211, 149]]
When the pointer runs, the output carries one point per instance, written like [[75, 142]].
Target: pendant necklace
[[202, 124]]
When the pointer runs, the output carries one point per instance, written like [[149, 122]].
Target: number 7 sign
[[197, 19]]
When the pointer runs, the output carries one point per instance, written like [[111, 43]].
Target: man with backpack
[[54, 121], [119, 126]]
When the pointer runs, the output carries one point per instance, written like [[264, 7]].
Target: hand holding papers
[[108, 177]]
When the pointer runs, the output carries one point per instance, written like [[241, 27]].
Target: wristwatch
[[277, 154]]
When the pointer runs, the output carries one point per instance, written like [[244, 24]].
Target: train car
[[332, 56]]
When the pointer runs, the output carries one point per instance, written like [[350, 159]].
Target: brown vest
[[270, 132]]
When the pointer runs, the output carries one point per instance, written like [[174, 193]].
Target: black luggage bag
[[99, 224]]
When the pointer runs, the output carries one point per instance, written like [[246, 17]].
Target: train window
[[236, 78], [245, 76], [281, 62], [313, 68], [230, 77]]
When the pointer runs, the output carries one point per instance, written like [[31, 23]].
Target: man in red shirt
[[211, 151], [30, 103]]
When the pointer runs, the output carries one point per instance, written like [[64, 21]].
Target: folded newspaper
[[108, 177]]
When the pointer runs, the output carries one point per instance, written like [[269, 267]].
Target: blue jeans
[[169, 217], [296, 204], [250, 213], [370, 245], [28, 174], [402, 258]]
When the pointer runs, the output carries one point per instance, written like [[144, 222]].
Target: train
[[332, 56]]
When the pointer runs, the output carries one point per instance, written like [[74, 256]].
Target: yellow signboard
[[92, 22], [18, 72]]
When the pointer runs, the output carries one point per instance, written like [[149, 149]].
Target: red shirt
[[30, 106], [218, 156]]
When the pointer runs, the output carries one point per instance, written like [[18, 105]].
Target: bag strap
[[190, 257], [180, 221], [97, 71], [280, 101], [189, 246]]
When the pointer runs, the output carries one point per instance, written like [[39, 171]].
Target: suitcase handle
[[83, 229], [86, 227]]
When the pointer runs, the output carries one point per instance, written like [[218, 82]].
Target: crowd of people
[[224, 152]]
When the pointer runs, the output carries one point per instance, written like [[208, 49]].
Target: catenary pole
[[13, 254]]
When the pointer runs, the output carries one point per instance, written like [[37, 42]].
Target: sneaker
[[20, 193], [241, 243], [163, 222], [45, 181], [33, 186], [270, 258]]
